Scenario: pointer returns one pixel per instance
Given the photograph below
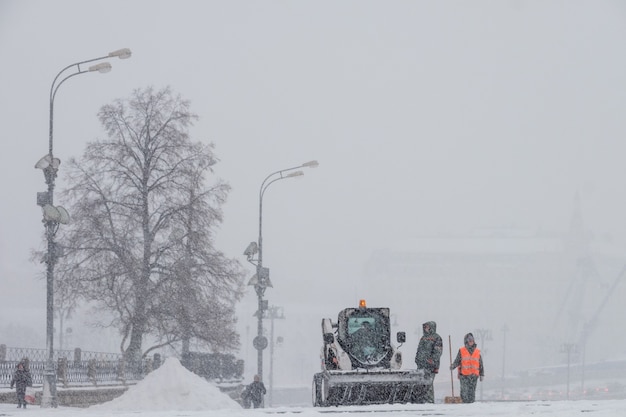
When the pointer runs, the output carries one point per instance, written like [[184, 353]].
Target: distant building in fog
[[549, 290]]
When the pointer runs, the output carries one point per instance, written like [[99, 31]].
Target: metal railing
[[76, 367]]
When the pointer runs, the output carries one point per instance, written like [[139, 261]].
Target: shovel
[[453, 399]]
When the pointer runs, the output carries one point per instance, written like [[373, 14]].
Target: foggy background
[[429, 119]]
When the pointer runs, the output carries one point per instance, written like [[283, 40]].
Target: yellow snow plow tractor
[[360, 365]]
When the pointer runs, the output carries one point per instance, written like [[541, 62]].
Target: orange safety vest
[[470, 364]]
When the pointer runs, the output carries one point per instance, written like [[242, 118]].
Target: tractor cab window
[[362, 332], [358, 323]]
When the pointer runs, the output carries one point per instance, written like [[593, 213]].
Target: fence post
[[77, 355], [157, 360], [121, 371], [62, 371], [92, 371]]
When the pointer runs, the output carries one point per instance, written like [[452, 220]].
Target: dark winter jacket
[[256, 391], [21, 378], [429, 349], [470, 349]]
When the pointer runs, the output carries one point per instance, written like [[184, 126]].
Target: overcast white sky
[[426, 117]]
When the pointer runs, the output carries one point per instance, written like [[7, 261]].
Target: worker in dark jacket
[[21, 379], [427, 358], [470, 365], [253, 393]]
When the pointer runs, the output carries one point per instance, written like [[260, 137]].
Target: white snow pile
[[171, 387]]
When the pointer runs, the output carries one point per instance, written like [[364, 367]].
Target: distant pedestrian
[[253, 393], [470, 365], [21, 379], [427, 359]]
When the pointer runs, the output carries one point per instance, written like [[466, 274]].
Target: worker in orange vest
[[470, 365]]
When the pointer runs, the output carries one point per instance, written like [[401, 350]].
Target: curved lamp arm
[[264, 185], [104, 67]]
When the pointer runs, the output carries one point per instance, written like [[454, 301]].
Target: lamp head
[[254, 280], [56, 214], [311, 164], [123, 53], [102, 67], [64, 216], [252, 249], [48, 161]]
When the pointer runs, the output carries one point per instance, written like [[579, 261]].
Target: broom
[[453, 399]]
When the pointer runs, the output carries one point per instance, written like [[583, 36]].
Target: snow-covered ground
[[171, 390]]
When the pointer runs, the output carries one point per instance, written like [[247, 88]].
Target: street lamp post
[[583, 342], [261, 280], [568, 348], [504, 329], [54, 216]]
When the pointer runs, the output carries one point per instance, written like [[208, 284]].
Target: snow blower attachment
[[359, 363]]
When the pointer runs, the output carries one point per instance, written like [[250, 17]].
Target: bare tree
[[140, 243]]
